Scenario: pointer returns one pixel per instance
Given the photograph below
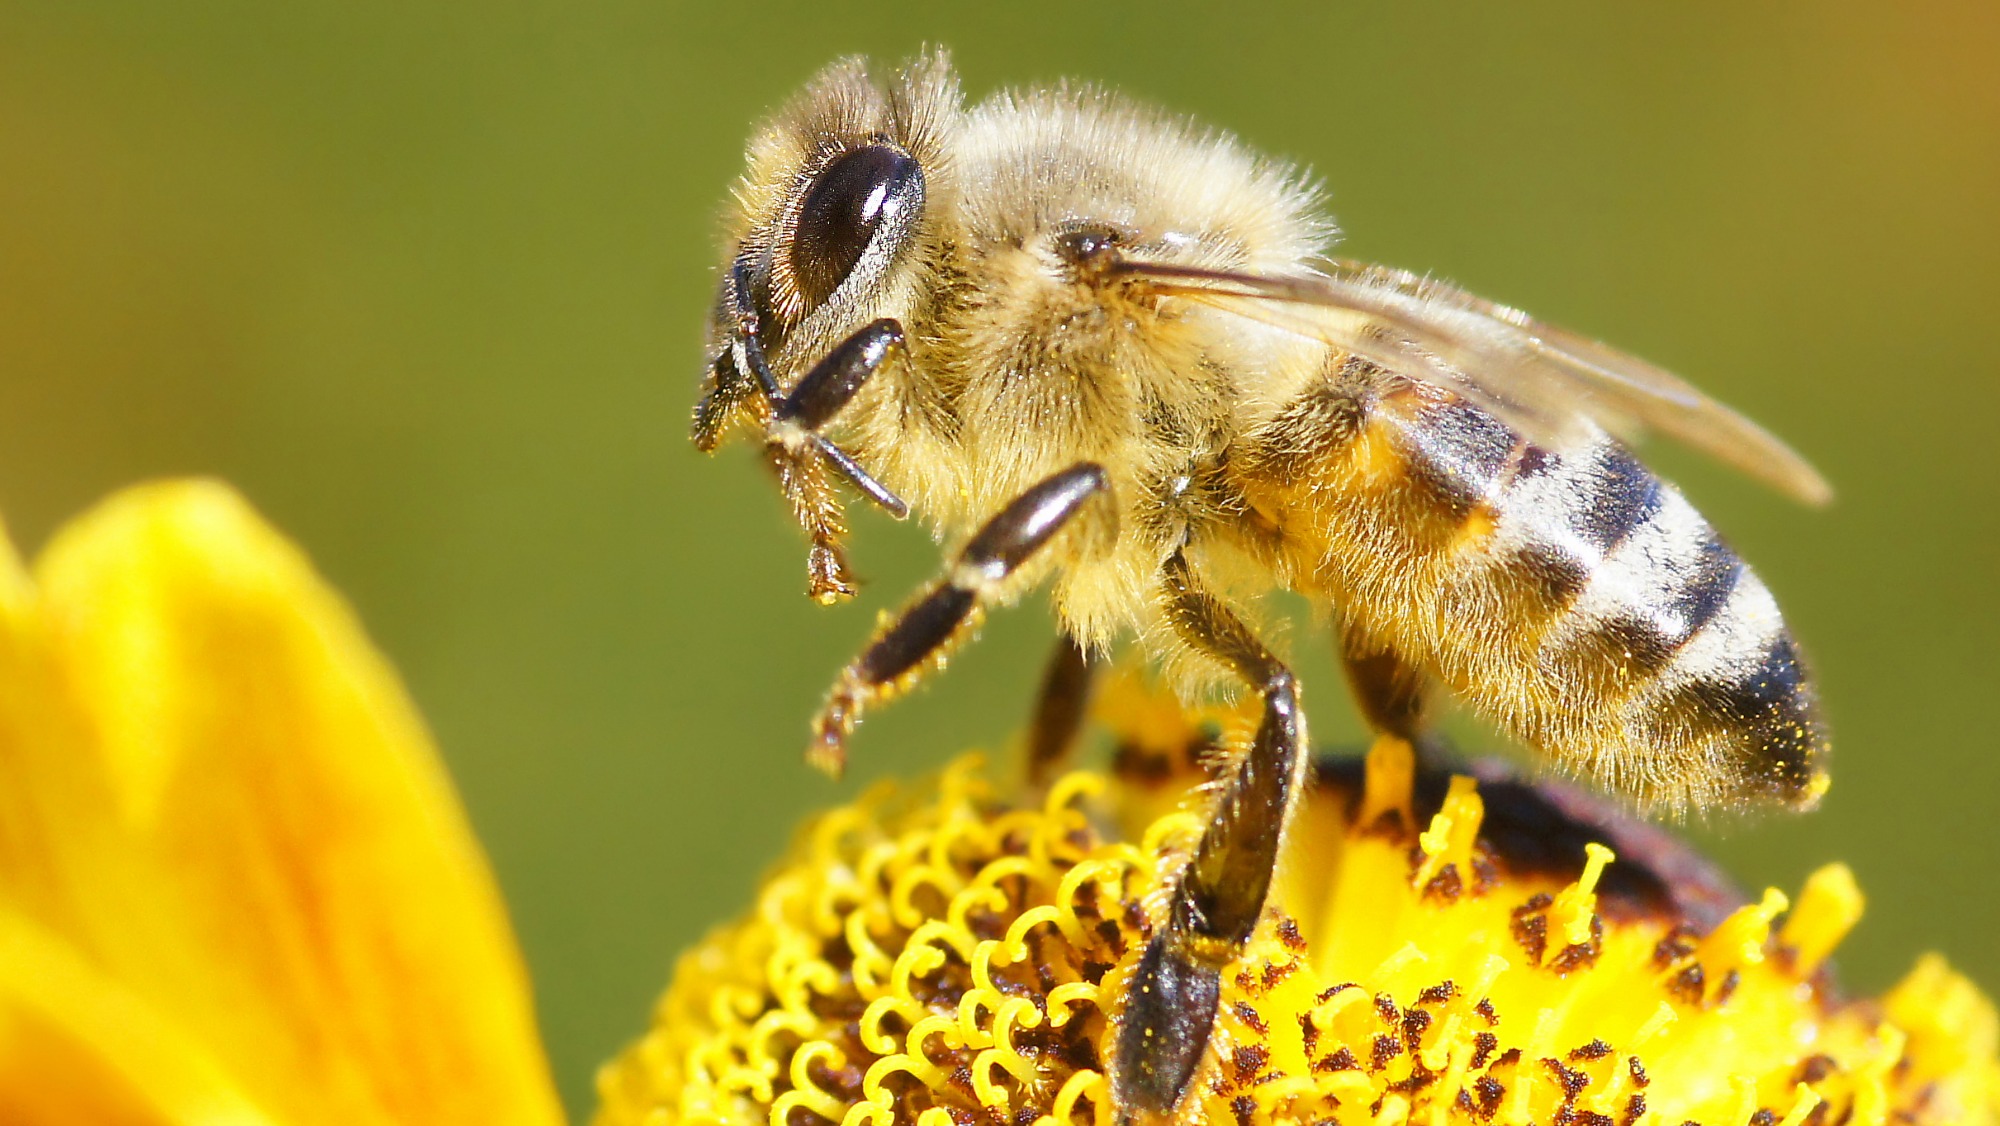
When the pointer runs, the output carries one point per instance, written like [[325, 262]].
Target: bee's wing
[[1537, 378]]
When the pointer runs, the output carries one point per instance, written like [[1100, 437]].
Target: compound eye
[[871, 194]]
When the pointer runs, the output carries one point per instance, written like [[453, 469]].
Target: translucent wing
[[1542, 380]]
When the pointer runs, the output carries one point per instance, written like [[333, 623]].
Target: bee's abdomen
[[1571, 596], [1559, 588], [1651, 652]]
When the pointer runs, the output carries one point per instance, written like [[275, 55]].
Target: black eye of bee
[[872, 194]]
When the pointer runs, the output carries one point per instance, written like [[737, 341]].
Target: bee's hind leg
[[1171, 998], [1392, 694], [1059, 707], [926, 629]]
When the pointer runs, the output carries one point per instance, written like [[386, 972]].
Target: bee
[[1102, 349]]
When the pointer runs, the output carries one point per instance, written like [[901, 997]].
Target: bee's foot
[[828, 750], [828, 580]]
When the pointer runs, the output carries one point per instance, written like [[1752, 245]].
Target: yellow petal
[[224, 801], [76, 1046]]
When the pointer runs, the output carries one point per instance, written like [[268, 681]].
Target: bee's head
[[827, 227]]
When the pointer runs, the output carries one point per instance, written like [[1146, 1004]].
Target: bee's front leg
[[801, 454], [1171, 998], [925, 631], [796, 421]]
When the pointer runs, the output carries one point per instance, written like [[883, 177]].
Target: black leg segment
[[1170, 1005], [839, 375], [1390, 691], [832, 382], [1059, 708], [924, 632]]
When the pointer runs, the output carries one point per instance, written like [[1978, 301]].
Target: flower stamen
[[975, 975]]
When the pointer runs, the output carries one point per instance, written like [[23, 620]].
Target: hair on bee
[[1097, 347]]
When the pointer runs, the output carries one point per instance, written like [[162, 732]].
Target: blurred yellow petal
[[76, 1046], [217, 793]]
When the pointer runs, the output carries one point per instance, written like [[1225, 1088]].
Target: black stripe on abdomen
[[1705, 588], [1540, 579], [1764, 704], [1640, 641], [1458, 453], [1760, 692], [1562, 514], [1623, 494], [1662, 577]]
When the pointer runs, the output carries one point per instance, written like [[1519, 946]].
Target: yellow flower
[[1437, 951], [235, 885]]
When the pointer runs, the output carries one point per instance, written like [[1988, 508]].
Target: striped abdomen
[[1567, 594]]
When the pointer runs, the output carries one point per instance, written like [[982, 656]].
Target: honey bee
[[1098, 347]]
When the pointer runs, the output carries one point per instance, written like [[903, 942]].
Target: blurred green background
[[425, 280]]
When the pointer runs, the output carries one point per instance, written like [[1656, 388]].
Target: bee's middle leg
[[1171, 999], [926, 629]]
